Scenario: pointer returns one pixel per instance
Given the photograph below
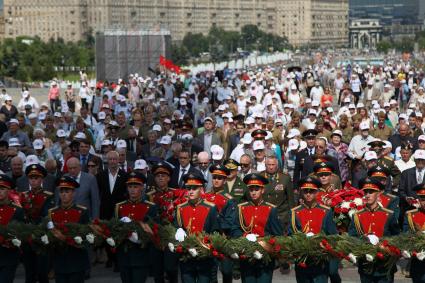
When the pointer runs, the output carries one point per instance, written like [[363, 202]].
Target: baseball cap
[[364, 126], [31, 159], [247, 138], [293, 133], [140, 164], [14, 142], [419, 154], [80, 136], [42, 116], [157, 128], [370, 155], [15, 121], [217, 152], [38, 144], [58, 114], [101, 115], [106, 142], [293, 144], [60, 133], [121, 144], [258, 145], [421, 138], [165, 140]]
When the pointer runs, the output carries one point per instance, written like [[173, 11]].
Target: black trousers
[[7, 273], [76, 277]]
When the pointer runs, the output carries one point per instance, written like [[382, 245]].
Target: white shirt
[[112, 180], [420, 176], [401, 165], [358, 146]]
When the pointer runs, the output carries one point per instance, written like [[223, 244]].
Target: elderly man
[[204, 163], [15, 132], [403, 136], [87, 194]]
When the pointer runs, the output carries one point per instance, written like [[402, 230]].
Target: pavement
[[100, 274]]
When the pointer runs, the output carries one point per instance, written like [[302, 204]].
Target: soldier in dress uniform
[[196, 215], [279, 190], [414, 222], [134, 261], [36, 204], [312, 218], [164, 197], [386, 199], [225, 205], [70, 264], [374, 221], [260, 218], [386, 161], [9, 213], [234, 185], [323, 171]]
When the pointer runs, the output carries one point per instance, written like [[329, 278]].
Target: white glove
[[134, 238], [180, 235], [373, 239], [50, 225], [251, 237], [309, 234], [125, 219]]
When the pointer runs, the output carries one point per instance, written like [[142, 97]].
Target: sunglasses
[[218, 177], [369, 192], [193, 188], [255, 189], [324, 174], [309, 191]]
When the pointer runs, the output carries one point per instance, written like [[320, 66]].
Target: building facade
[[323, 22], [365, 33]]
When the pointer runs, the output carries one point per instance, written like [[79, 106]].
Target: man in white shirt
[[316, 92], [359, 143]]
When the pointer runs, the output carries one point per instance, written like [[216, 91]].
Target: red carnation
[[221, 256], [179, 249], [380, 255], [70, 241], [206, 239], [242, 257], [352, 205], [215, 253], [277, 248], [385, 243], [272, 241], [302, 265], [113, 250], [414, 254]]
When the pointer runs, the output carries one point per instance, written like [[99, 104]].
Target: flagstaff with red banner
[[169, 65]]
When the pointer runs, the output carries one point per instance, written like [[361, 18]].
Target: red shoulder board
[[6, 214]]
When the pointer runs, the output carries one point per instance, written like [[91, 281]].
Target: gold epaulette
[[387, 210], [270, 204], [388, 158], [296, 208], [81, 206], [149, 202], [412, 210], [117, 208], [243, 203], [324, 206], [182, 204], [208, 203], [151, 192], [229, 196], [15, 205], [49, 213], [48, 193]]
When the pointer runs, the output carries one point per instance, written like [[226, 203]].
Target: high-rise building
[[303, 22]]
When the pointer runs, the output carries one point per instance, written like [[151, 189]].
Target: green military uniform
[[69, 264], [279, 192], [347, 134], [382, 133], [51, 134], [133, 260], [388, 162], [9, 213], [260, 218], [315, 219], [29, 130], [238, 189]]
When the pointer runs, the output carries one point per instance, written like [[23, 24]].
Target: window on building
[[162, 14], [189, 25]]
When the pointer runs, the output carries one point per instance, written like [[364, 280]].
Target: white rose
[[405, 254], [358, 201], [258, 255], [171, 247], [134, 237], [345, 204], [234, 256], [373, 239], [309, 234], [50, 225], [351, 213], [423, 232], [90, 238], [369, 257], [420, 256], [192, 252], [78, 240], [352, 258], [251, 237], [45, 239], [180, 235], [125, 219], [110, 242], [16, 242]]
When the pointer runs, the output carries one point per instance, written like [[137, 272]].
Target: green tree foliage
[[31, 59], [384, 46], [221, 43]]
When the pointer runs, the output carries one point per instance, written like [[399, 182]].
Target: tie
[[310, 151], [123, 168], [131, 145], [420, 176], [83, 160], [181, 178]]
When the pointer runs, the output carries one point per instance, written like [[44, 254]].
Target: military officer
[[226, 208], [69, 264], [312, 218], [386, 161], [373, 221], [165, 198], [279, 190], [382, 131], [36, 203], [196, 215], [9, 213], [386, 199], [323, 171], [260, 218], [415, 222], [134, 261], [234, 185]]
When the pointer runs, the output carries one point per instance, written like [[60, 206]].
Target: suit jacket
[[299, 165], [84, 167], [233, 142], [108, 200], [208, 178], [407, 182], [215, 139], [174, 183], [87, 194], [309, 164], [137, 145]]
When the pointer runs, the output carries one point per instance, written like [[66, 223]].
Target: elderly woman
[[338, 150], [41, 135]]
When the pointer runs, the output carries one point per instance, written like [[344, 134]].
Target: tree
[[383, 46]]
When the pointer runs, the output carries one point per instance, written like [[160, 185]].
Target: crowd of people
[[251, 151]]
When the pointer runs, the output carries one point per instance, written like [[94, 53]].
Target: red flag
[[162, 60]]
